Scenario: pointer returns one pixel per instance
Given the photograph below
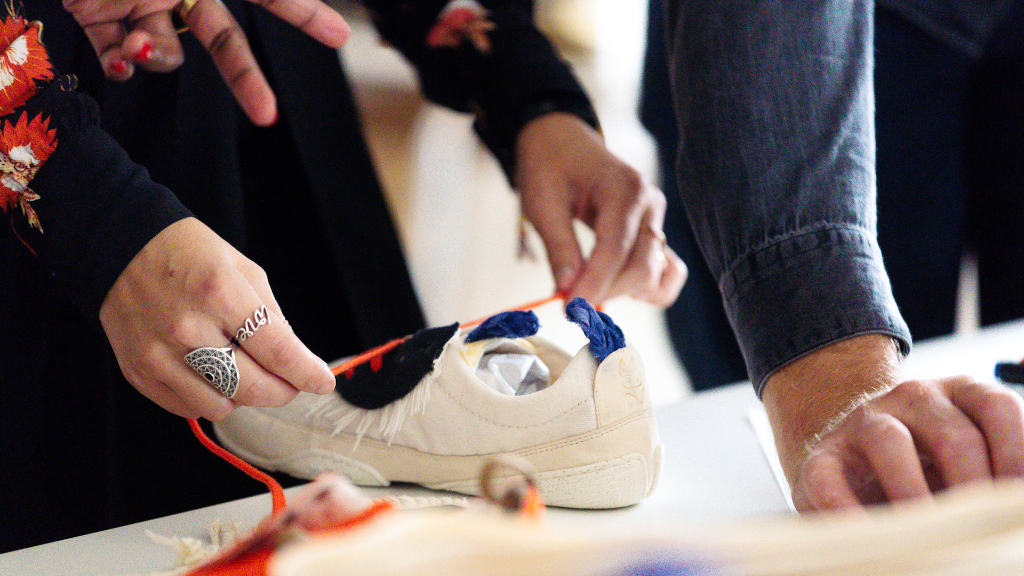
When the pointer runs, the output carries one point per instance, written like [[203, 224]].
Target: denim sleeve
[[776, 169]]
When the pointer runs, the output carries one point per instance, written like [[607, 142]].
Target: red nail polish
[[119, 66], [277, 116], [144, 53]]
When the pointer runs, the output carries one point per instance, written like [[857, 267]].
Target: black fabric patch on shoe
[[401, 369]]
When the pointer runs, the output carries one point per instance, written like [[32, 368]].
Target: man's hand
[[848, 435], [186, 289], [129, 33], [564, 172]]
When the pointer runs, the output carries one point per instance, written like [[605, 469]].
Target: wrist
[[541, 112], [542, 141], [811, 394]]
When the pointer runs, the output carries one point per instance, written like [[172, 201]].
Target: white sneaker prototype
[[588, 430]]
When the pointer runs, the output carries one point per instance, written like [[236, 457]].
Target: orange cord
[[527, 306], [373, 355], [350, 364], [532, 506], [276, 492]]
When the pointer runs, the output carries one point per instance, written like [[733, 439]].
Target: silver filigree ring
[[251, 325], [217, 366]]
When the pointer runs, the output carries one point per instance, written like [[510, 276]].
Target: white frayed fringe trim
[[191, 551], [405, 502], [387, 421]]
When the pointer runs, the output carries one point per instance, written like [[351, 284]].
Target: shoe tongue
[[472, 352], [509, 366], [502, 333]]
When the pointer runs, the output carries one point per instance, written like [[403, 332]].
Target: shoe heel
[[623, 465]]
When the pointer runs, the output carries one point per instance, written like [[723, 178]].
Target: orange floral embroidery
[[461, 19], [24, 146], [23, 62]]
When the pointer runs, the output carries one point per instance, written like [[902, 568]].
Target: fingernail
[[341, 29], [328, 383], [277, 116], [120, 66], [564, 278], [144, 53]]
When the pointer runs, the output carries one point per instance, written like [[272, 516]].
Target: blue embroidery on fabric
[[515, 324], [605, 337]]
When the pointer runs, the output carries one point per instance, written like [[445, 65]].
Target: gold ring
[[185, 8], [658, 234]]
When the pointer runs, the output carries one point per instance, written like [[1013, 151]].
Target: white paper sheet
[[762, 429]]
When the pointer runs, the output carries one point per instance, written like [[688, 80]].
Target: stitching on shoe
[[572, 441], [623, 461], [483, 418], [580, 439]]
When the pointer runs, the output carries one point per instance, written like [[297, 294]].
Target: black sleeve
[[517, 78], [68, 192]]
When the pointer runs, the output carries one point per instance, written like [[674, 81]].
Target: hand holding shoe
[[564, 172], [849, 435], [188, 289]]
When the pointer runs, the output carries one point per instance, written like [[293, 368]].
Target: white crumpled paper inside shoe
[[510, 367]]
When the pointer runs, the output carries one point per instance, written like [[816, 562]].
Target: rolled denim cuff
[[807, 290]]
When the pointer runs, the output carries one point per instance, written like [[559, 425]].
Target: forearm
[[804, 398], [102, 209], [777, 170], [515, 77]]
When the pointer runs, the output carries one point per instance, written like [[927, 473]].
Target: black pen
[[1010, 372]]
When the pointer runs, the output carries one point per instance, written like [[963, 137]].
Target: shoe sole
[[613, 466]]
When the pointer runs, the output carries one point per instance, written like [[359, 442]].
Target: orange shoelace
[[276, 492], [375, 355]]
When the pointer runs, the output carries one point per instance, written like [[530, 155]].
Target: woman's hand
[[564, 172], [186, 289], [130, 33]]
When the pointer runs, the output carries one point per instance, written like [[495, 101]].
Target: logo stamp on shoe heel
[[630, 381]]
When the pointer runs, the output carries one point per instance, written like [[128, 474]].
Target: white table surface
[[714, 470]]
